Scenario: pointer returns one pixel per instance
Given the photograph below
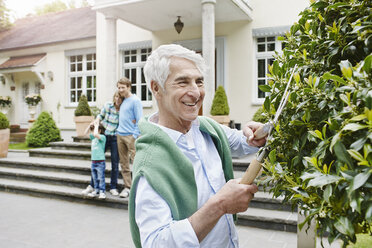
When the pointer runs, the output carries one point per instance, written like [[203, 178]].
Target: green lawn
[[19, 146], [363, 241]]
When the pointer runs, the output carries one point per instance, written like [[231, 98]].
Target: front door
[[28, 88]]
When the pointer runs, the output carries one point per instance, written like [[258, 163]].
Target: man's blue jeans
[[111, 142], [98, 175]]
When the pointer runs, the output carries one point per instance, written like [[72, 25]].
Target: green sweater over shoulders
[[169, 171]]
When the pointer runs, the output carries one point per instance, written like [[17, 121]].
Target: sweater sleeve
[[157, 228], [138, 110]]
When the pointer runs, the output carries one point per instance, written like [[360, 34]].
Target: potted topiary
[[220, 108], [4, 135], [43, 131], [83, 116]]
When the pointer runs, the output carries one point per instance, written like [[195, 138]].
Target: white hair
[[157, 65]]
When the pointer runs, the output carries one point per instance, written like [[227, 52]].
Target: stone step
[[274, 220], [77, 173], [50, 172], [81, 167], [18, 137], [48, 152], [46, 164], [76, 146], [268, 219], [23, 160], [80, 139], [50, 177], [59, 192], [81, 153]]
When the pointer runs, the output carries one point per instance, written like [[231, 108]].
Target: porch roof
[[22, 61], [155, 15]]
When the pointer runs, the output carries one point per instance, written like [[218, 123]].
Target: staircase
[[62, 171]]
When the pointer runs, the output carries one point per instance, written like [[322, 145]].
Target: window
[[265, 51], [82, 77], [133, 63]]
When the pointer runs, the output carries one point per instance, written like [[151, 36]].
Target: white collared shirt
[[153, 215]]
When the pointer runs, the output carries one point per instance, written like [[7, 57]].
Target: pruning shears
[[256, 164]]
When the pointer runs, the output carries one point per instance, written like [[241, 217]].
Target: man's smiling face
[[183, 94]]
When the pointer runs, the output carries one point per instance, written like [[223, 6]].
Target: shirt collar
[[173, 134]]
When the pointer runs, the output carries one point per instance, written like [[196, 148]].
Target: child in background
[[98, 159]]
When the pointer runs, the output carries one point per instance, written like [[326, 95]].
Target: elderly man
[[183, 194]]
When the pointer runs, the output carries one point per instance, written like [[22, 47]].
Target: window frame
[[259, 56], [138, 66], [84, 74]]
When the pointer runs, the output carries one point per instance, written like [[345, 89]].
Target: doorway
[[31, 87]]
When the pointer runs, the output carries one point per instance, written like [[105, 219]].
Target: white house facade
[[237, 38]]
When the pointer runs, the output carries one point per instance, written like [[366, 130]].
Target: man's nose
[[194, 90]]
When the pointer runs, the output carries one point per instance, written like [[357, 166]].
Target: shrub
[[83, 108], [43, 131], [260, 116], [4, 123], [220, 105], [321, 155], [95, 111]]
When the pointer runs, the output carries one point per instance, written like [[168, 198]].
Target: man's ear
[[155, 88]]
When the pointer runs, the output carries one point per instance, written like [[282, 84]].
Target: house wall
[[55, 94], [239, 60], [240, 49], [126, 33], [5, 91]]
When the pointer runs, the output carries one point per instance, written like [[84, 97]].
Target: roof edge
[[44, 44]]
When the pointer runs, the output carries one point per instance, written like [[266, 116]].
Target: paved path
[[33, 222]]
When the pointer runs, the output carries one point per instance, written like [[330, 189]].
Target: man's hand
[[248, 131], [235, 197], [232, 198]]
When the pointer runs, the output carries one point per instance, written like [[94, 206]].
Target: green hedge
[[43, 131], [321, 156], [260, 116]]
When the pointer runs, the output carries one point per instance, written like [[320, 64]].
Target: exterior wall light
[[178, 25], [50, 75]]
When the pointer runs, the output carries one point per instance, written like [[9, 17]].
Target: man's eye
[[200, 83]]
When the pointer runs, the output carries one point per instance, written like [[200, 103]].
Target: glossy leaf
[[359, 180], [265, 88], [354, 127], [344, 225], [342, 154], [323, 180], [329, 76], [327, 193], [355, 154]]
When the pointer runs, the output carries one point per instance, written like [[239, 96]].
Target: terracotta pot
[[222, 119], [82, 122], [4, 142]]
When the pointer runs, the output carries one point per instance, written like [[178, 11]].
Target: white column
[[208, 52], [111, 50]]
